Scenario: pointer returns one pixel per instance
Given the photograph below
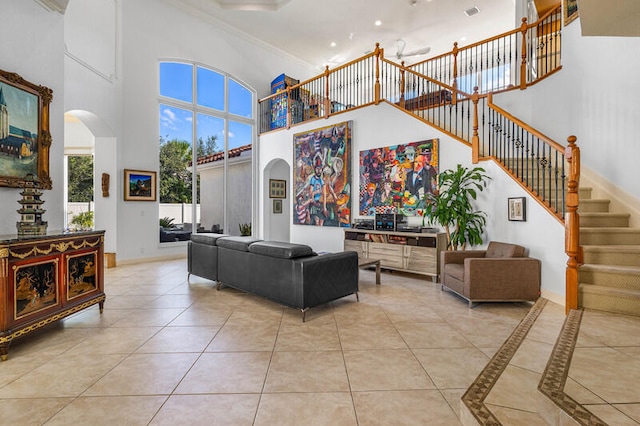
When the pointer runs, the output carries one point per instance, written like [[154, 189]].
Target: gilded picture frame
[[25, 139], [139, 185], [570, 11]]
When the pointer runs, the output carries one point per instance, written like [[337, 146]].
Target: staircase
[[609, 278]]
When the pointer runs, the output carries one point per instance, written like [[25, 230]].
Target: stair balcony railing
[[514, 59]]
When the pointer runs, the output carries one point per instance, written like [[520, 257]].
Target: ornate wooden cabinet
[[46, 278]]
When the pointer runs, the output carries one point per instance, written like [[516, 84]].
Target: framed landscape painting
[[139, 185], [24, 131]]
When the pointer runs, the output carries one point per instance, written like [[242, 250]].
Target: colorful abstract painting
[[395, 179], [322, 176]]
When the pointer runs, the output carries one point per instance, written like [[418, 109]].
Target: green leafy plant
[[245, 229], [452, 206], [83, 220], [167, 222]]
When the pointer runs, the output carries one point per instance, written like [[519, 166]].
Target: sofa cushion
[[280, 249], [206, 238], [502, 250], [455, 270], [236, 243]]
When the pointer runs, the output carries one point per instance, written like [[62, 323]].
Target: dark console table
[[46, 278]]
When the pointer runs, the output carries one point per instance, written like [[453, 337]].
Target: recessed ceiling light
[[378, 23], [463, 38], [333, 44]]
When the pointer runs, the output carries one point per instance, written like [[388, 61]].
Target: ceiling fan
[[400, 51]]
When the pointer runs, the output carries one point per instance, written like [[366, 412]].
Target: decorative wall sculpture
[[395, 179], [322, 176]]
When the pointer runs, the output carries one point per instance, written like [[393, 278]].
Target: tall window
[[206, 130]]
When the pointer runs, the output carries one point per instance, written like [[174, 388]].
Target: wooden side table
[[363, 262]]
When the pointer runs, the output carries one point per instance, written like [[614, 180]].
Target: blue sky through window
[[176, 82]]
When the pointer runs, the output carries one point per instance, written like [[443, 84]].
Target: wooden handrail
[[555, 145], [457, 49]]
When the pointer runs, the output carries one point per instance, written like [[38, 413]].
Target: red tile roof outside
[[233, 152]]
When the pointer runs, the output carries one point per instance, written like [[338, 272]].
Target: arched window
[[207, 128]]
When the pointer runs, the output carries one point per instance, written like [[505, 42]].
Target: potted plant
[[167, 222], [245, 229], [452, 207], [83, 220]]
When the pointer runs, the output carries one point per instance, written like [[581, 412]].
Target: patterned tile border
[[555, 374], [475, 395]]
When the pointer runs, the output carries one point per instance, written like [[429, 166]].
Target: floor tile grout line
[[479, 389], [554, 377]]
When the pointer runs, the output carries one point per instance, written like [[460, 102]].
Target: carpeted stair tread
[[614, 276], [616, 300], [604, 219], [593, 205], [609, 236], [602, 289], [620, 248], [618, 269], [628, 255]]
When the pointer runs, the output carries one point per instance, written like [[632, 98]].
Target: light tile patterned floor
[[168, 352]]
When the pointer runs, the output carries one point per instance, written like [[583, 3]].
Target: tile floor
[[165, 351]]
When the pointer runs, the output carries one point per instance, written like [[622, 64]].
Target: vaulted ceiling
[[331, 32]]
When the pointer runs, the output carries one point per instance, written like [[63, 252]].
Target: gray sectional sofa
[[286, 273]]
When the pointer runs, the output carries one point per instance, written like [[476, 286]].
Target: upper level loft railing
[[517, 58], [514, 59]]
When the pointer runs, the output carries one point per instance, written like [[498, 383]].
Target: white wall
[[594, 98], [32, 46], [168, 33], [384, 125]]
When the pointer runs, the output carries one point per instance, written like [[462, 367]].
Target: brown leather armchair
[[501, 273]]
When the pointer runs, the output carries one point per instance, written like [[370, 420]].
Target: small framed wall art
[[517, 209], [277, 206], [277, 188], [139, 185]]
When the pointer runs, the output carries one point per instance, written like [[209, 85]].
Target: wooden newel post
[[376, 90], [475, 139], [523, 64], [327, 101], [572, 225], [454, 98]]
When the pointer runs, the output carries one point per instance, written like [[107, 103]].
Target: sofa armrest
[[458, 256], [515, 278], [327, 277]]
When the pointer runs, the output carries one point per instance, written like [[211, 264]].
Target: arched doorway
[[87, 133], [277, 211]]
